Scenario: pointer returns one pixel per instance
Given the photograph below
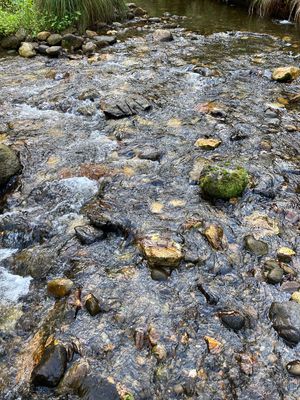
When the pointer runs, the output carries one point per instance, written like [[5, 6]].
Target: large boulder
[[27, 50], [72, 42], [217, 182], [285, 318], [9, 164], [11, 42], [51, 368]]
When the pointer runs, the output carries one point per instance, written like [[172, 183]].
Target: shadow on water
[[207, 17]]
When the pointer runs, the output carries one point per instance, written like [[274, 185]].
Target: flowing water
[[137, 176]]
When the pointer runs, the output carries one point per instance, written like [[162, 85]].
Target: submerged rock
[[104, 40], [92, 305], [160, 274], [74, 377], [60, 287], [285, 254], [217, 182], [285, 74], [257, 247], [214, 235], [89, 48], [285, 318], [232, 319], [162, 35], [51, 368], [161, 252], [272, 272], [122, 108], [88, 234], [9, 164], [96, 388]]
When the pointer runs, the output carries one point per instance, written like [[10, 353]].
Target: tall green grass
[[89, 11]]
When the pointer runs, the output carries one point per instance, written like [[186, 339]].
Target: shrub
[[18, 14]]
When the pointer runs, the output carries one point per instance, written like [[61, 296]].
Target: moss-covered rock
[[222, 183]]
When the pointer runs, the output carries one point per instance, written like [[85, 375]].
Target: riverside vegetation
[[149, 225]]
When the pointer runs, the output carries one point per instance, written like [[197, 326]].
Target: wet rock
[[162, 35], [54, 51], [213, 345], [43, 36], [285, 74], [161, 252], [295, 297], [96, 388], [210, 296], [160, 352], [104, 40], [89, 48], [87, 110], [9, 164], [293, 368], [139, 12], [123, 108], [27, 50], [257, 247], [54, 39], [10, 42], [223, 183], [272, 272], [215, 236], [89, 94], [51, 368], [90, 34], [290, 286], [74, 377], [88, 234], [208, 144], [285, 318], [60, 287], [42, 49], [285, 254], [92, 305], [160, 274], [71, 42], [232, 319]]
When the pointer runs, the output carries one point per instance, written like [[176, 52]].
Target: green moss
[[223, 183]]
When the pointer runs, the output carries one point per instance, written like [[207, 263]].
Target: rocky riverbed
[[120, 277]]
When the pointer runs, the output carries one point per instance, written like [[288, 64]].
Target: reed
[[278, 8]]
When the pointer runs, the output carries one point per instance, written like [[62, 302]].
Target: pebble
[[60, 287]]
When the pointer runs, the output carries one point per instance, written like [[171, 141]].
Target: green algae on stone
[[223, 183]]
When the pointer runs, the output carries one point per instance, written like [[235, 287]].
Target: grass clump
[[221, 183], [88, 12], [278, 8]]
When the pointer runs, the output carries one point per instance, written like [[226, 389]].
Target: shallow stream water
[[139, 174]]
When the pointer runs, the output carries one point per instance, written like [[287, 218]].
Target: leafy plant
[[15, 15], [58, 24]]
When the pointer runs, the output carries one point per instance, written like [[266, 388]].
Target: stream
[[126, 177]]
